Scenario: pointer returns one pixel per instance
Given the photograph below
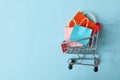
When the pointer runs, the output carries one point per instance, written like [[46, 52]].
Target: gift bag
[[67, 33], [80, 32], [67, 43], [80, 16]]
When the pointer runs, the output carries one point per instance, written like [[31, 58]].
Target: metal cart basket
[[90, 49]]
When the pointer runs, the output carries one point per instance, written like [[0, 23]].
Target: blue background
[[31, 32]]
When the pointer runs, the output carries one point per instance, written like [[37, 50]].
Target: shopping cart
[[82, 51]]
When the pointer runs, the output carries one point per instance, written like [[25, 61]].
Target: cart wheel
[[70, 67], [71, 61], [95, 69]]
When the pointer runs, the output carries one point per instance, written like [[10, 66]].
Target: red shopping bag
[[80, 16]]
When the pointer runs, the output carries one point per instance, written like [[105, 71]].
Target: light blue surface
[[31, 32]]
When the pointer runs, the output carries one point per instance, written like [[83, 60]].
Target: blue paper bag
[[80, 32]]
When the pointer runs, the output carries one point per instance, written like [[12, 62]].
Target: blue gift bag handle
[[83, 21]]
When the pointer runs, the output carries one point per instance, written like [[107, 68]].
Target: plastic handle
[[91, 15]]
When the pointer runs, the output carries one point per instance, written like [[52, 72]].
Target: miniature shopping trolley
[[82, 50]]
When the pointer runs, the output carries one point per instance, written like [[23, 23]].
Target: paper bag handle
[[68, 23], [86, 13], [84, 20]]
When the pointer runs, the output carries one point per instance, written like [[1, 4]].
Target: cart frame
[[84, 50]]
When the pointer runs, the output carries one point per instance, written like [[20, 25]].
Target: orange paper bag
[[80, 16]]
